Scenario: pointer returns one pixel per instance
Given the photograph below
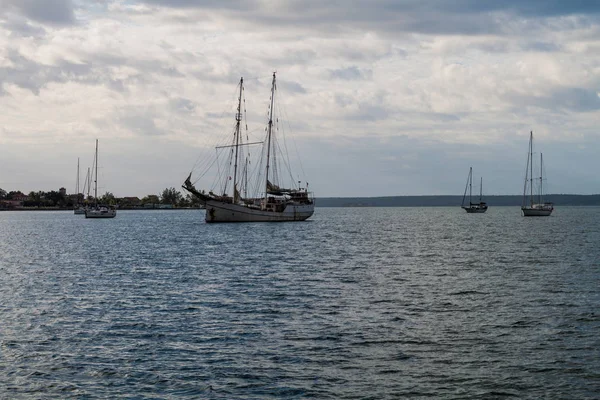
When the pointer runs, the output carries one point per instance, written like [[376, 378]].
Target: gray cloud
[[342, 100], [470, 17], [367, 7], [95, 70], [577, 99], [19, 26], [140, 122], [231, 4], [34, 76], [290, 87], [181, 105], [530, 8], [55, 12], [540, 46], [351, 73], [28, 74], [562, 99], [370, 112]]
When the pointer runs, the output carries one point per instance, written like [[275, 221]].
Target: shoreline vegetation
[[59, 200], [384, 201]]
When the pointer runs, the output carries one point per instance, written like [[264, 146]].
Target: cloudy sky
[[383, 97]]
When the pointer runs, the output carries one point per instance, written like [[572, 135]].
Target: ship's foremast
[[238, 119], [269, 131]]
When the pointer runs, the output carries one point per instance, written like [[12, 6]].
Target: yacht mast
[[466, 185], [541, 175], [96, 178], [470, 185], [531, 166], [238, 118], [77, 183], [480, 188], [524, 201], [88, 182], [269, 140]]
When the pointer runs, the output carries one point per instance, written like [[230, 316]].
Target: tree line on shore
[[168, 197], [171, 197]]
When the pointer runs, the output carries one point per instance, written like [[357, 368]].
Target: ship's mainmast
[[269, 139]]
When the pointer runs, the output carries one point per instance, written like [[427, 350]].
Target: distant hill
[[448, 201]]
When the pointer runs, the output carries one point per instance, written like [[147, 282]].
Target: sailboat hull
[[475, 210], [79, 211], [536, 212], [217, 211], [100, 213]]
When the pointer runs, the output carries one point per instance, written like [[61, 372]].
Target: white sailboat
[[268, 200], [78, 209], [473, 208], [529, 207], [98, 211]]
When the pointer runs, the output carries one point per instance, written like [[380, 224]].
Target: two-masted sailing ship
[[248, 193], [531, 207], [473, 208]]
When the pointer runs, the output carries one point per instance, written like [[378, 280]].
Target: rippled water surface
[[355, 303]]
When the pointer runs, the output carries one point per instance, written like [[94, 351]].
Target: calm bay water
[[356, 303]]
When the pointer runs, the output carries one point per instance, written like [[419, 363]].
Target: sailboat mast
[[524, 202], [466, 185], [77, 183], [480, 188], [541, 175], [531, 166], [470, 184], [246, 178], [238, 118], [88, 181], [96, 178], [269, 139]]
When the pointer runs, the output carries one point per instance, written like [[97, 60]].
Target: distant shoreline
[[449, 201], [400, 201]]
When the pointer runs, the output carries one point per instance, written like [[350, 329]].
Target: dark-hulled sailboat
[[473, 208]]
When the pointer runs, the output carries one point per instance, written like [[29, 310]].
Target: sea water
[[354, 303]]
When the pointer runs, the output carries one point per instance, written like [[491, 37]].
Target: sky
[[383, 97]]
